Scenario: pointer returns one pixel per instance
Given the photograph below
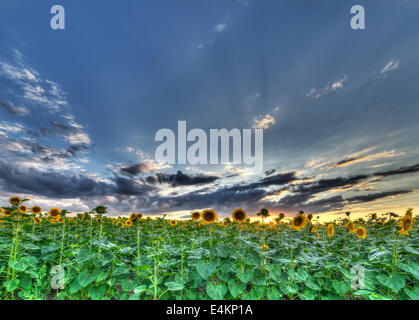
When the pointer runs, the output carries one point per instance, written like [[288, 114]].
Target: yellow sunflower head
[[36, 210], [54, 212], [128, 223], [139, 216], [98, 219], [264, 247], [173, 222], [209, 216], [23, 209], [239, 215], [299, 221], [196, 216], [15, 201], [7, 213], [350, 226], [406, 222], [37, 220], [330, 230], [361, 232], [310, 217]]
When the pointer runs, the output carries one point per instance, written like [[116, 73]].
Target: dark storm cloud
[[18, 178], [53, 183], [402, 170], [278, 179], [134, 169], [180, 179], [323, 185], [269, 172]]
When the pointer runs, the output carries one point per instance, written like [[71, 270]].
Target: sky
[[80, 107]]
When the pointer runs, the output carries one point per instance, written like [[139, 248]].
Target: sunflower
[[77, 236], [264, 247], [98, 220], [37, 220], [239, 215], [361, 233], [54, 212], [406, 222], [85, 216], [139, 216], [36, 210], [15, 201], [120, 224], [330, 230], [133, 217], [7, 213], [313, 229], [350, 226], [100, 209], [374, 216], [299, 221], [226, 222], [173, 222], [128, 223], [196, 216], [209, 215], [23, 209], [60, 220], [310, 217]]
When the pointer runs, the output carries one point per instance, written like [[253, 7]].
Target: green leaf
[[20, 265], [216, 291], [412, 294], [75, 287], [410, 267], [140, 289], [11, 285], [174, 286], [236, 288], [340, 287], [128, 284], [395, 283], [245, 276], [206, 269], [85, 277], [97, 293], [298, 275], [312, 284], [273, 294]]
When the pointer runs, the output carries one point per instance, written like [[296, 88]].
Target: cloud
[[180, 179], [16, 111], [220, 27], [402, 170], [134, 169], [263, 122], [364, 158], [330, 88], [390, 66]]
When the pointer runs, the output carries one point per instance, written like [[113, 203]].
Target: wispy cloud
[[329, 88], [220, 27], [390, 66]]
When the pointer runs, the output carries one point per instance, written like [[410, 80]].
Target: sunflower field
[[57, 255]]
